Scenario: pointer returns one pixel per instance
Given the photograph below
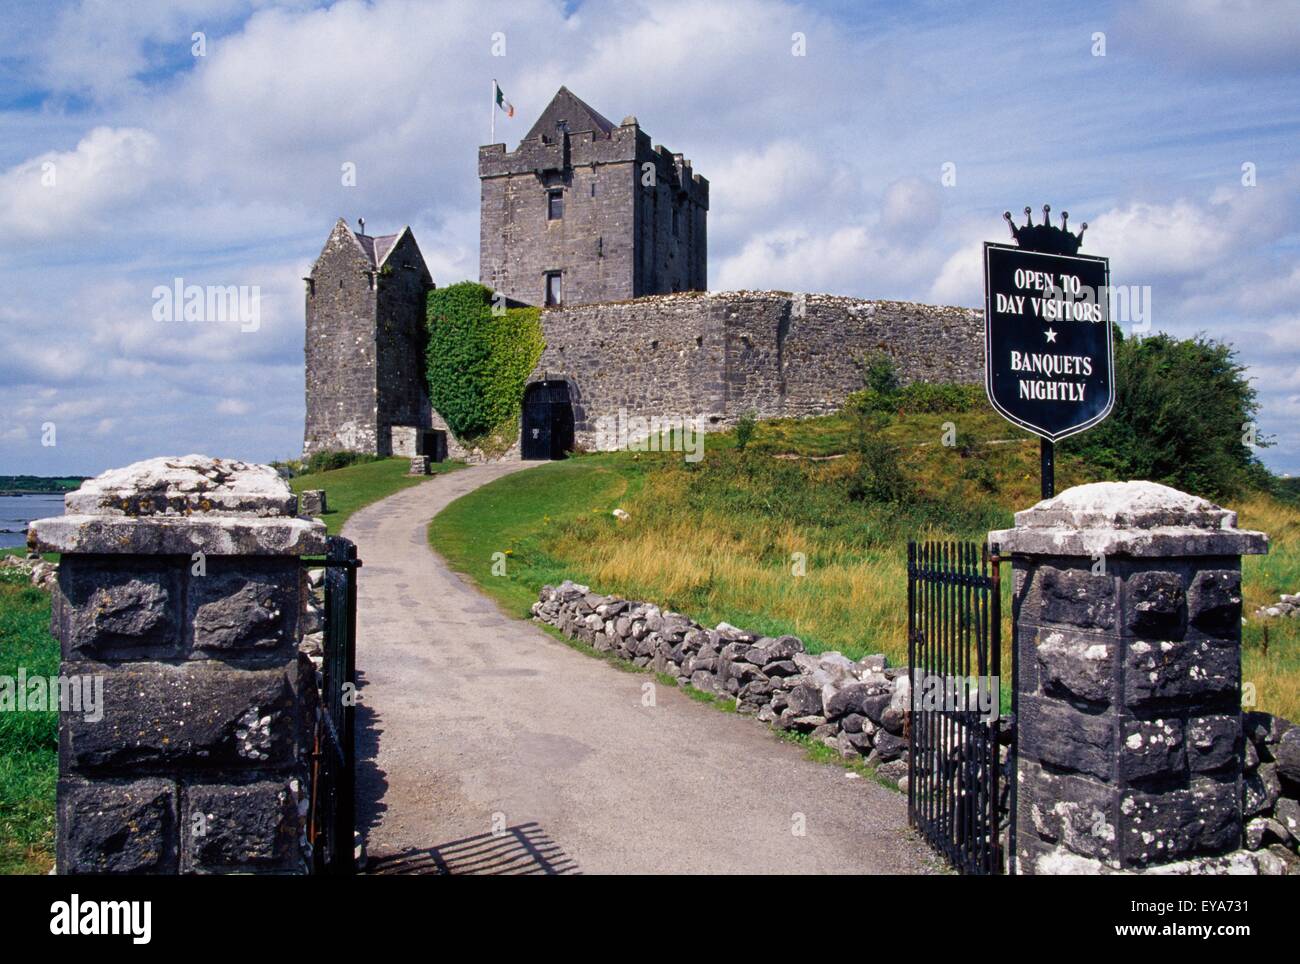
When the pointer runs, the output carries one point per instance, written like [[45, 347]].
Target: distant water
[[18, 510]]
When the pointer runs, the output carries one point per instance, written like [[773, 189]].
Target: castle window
[[554, 205], [593, 188], [554, 290]]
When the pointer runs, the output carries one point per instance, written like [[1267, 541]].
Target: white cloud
[[1145, 240], [61, 193], [961, 279], [234, 406], [824, 172]]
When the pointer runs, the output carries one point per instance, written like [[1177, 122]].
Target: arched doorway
[[547, 429]]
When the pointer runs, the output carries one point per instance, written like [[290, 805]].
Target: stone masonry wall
[[180, 593], [340, 350], [718, 356], [616, 239], [402, 398]]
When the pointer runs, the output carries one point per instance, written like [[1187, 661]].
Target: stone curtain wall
[[772, 353], [198, 761]]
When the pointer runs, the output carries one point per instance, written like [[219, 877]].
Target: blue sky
[[825, 171]]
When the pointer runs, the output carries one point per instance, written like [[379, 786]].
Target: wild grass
[[1270, 662], [28, 740], [779, 545]]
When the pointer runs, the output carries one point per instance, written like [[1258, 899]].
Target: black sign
[[1048, 356]]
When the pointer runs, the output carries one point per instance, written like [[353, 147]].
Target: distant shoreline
[[17, 492]]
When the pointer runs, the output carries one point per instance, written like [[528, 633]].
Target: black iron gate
[[547, 429], [331, 817], [954, 635]]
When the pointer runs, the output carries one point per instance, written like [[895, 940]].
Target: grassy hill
[[718, 539]]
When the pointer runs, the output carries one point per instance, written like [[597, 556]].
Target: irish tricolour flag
[[499, 96]]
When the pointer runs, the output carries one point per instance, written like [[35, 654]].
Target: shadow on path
[[372, 782], [520, 850]]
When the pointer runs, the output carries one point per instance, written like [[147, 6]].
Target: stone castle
[[608, 235]]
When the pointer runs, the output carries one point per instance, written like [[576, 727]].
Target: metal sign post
[[1048, 352]]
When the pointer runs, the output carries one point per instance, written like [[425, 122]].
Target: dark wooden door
[[547, 429]]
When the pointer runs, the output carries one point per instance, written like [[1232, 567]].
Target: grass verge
[[357, 486], [28, 740], [723, 538]]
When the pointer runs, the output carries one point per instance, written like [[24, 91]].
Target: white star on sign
[[1051, 335]]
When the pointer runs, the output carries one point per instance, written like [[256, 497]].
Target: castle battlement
[[584, 210]]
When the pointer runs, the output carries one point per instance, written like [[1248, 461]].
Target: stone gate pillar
[[1127, 611], [180, 599]]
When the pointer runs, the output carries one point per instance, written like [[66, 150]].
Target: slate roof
[[575, 112], [376, 248]]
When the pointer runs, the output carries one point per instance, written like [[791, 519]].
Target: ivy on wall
[[478, 361]]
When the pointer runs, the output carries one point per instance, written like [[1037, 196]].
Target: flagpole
[[494, 112]]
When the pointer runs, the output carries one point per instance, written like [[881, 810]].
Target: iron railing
[[954, 634], [332, 812]]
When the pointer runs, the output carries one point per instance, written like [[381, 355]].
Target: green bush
[[880, 381], [880, 476], [879, 373], [1182, 409], [922, 398], [478, 361], [745, 426], [329, 460], [882, 392]]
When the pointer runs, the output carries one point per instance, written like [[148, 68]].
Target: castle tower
[[365, 342], [585, 211]]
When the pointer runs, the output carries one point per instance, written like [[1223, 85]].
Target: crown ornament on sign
[[1043, 237]]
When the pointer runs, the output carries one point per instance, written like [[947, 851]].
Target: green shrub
[[879, 373], [478, 361], [1182, 409], [880, 476], [880, 381], [745, 426], [922, 398], [329, 460]]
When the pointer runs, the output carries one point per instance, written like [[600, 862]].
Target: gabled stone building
[[607, 232], [365, 342], [585, 210]]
